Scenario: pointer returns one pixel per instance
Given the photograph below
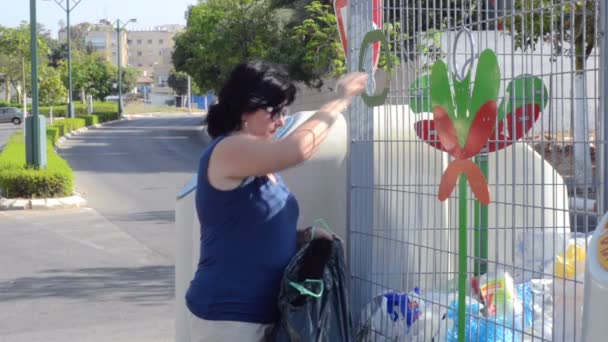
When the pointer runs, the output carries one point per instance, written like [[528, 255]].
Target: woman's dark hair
[[250, 86]]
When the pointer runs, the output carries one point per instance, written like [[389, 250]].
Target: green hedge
[[69, 125], [61, 127], [79, 109], [90, 120], [106, 116], [19, 181], [52, 134]]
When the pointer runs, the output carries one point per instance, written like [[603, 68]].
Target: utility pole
[[119, 29], [35, 124], [189, 94], [68, 9]]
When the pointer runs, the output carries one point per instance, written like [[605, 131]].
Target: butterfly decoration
[[467, 123]]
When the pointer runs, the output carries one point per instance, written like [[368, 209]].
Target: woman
[[248, 216]]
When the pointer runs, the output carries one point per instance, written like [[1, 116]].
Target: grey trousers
[[228, 331]]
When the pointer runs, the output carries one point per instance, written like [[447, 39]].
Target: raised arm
[[243, 155]]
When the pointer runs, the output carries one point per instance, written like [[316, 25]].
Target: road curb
[[62, 140], [74, 201]]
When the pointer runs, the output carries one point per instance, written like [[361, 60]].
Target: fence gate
[[475, 167]]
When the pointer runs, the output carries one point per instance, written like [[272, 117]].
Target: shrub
[[60, 110], [20, 181], [52, 134], [67, 125], [90, 120], [106, 116]]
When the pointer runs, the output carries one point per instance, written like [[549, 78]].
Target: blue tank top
[[248, 236]]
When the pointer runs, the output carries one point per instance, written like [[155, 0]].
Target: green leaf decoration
[[523, 90], [464, 119], [420, 94], [441, 94], [487, 81]]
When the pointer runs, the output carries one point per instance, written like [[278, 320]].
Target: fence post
[[603, 42]]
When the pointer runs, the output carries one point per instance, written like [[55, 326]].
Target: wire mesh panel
[[467, 96]]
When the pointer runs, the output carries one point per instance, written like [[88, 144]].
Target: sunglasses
[[277, 112]]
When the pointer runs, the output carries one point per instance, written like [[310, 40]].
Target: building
[[102, 38], [150, 51]]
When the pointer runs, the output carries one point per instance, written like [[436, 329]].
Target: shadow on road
[[149, 285], [159, 217], [145, 145]]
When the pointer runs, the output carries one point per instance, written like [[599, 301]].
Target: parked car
[[11, 114]]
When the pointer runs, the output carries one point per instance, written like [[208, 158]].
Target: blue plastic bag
[[482, 329]]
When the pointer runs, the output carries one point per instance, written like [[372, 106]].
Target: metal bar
[[60, 3], [69, 36], [603, 42], [462, 256], [119, 63], [481, 225], [34, 137]]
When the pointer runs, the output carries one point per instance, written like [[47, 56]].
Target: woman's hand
[[351, 85], [313, 233]]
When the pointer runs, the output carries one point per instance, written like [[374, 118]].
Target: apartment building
[[150, 51], [102, 38]]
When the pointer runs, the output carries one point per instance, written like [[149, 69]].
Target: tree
[[52, 90], [15, 55], [78, 33], [93, 74], [219, 35], [573, 23], [59, 53], [129, 77], [178, 81], [315, 50], [302, 35]]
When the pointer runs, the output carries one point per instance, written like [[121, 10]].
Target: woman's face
[[264, 122]]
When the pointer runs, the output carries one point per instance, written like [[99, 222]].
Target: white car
[[11, 114]]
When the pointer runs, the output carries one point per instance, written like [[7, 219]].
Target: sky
[[148, 13]]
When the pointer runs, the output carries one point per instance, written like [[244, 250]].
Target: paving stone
[[6, 203], [73, 201], [38, 203], [53, 203], [21, 204]]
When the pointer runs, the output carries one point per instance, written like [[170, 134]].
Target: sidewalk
[[71, 275]]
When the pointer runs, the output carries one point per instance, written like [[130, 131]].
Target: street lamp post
[[68, 9], [35, 124], [119, 29]]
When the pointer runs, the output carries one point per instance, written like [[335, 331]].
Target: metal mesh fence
[[524, 251]]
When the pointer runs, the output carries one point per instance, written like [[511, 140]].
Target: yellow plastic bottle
[[573, 262]]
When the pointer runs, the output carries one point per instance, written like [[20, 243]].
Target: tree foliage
[[178, 81], [221, 34], [570, 23], [316, 50], [51, 87], [303, 35], [15, 55]]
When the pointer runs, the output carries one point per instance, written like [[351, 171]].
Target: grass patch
[[18, 180]]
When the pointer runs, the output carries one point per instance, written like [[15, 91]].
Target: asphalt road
[[131, 172], [104, 273]]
